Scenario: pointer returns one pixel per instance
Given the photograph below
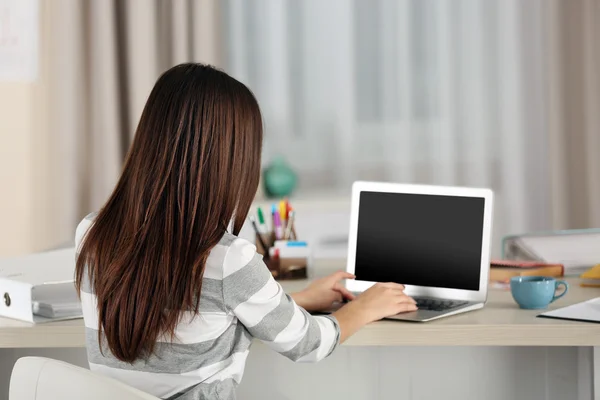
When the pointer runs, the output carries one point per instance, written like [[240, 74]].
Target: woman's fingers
[[392, 285], [340, 275], [406, 299], [346, 294], [406, 307]]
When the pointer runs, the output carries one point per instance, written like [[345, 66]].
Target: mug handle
[[559, 283]]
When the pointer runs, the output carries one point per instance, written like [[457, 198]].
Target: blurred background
[[502, 94]]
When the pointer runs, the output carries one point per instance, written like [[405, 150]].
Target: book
[[577, 249], [591, 277], [504, 270]]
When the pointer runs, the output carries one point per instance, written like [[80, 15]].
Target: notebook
[[588, 311], [504, 270]]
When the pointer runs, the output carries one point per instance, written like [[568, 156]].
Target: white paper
[[19, 31], [586, 311]]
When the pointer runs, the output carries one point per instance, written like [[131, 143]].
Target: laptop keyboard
[[425, 303]]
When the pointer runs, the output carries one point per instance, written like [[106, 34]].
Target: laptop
[[434, 240]]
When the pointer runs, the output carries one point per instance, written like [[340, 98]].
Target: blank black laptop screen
[[417, 239]]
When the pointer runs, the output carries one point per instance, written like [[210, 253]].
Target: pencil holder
[[286, 259], [291, 268], [268, 239]]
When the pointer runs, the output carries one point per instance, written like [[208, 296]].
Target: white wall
[[27, 157], [16, 130]]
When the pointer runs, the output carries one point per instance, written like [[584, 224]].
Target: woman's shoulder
[[233, 241], [83, 227], [232, 254], [235, 249]]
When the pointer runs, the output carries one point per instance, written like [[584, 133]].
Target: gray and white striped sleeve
[[271, 315]]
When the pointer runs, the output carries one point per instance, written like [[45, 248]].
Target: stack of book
[[578, 250], [502, 271]]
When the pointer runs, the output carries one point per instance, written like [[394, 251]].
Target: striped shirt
[[239, 301]]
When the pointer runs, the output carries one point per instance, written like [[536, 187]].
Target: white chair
[[37, 378]]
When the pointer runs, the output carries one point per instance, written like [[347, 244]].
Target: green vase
[[279, 178]]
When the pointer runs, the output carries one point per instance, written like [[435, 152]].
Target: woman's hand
[[383, 300], [322, 293], [379, 301]]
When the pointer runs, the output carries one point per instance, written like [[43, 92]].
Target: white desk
[[500, 323]]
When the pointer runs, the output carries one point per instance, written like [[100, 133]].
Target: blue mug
[[536, 292]]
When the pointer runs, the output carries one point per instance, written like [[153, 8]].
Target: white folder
[[43, 282]]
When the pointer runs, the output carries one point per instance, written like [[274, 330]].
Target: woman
[[171, 299]]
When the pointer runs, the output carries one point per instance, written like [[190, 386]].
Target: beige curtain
[[574, 113], [100, 60]]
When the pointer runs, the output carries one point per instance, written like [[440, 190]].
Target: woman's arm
[[322, 293], [273, 317], [380, 301]]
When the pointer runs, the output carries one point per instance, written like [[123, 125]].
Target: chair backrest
[[37, 378]]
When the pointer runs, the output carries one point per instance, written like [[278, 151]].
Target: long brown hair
[[192, 169]]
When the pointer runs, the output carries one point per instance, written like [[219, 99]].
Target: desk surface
[[500, 323]]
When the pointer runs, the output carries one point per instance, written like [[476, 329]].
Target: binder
[[39, 287], [577, 249]]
